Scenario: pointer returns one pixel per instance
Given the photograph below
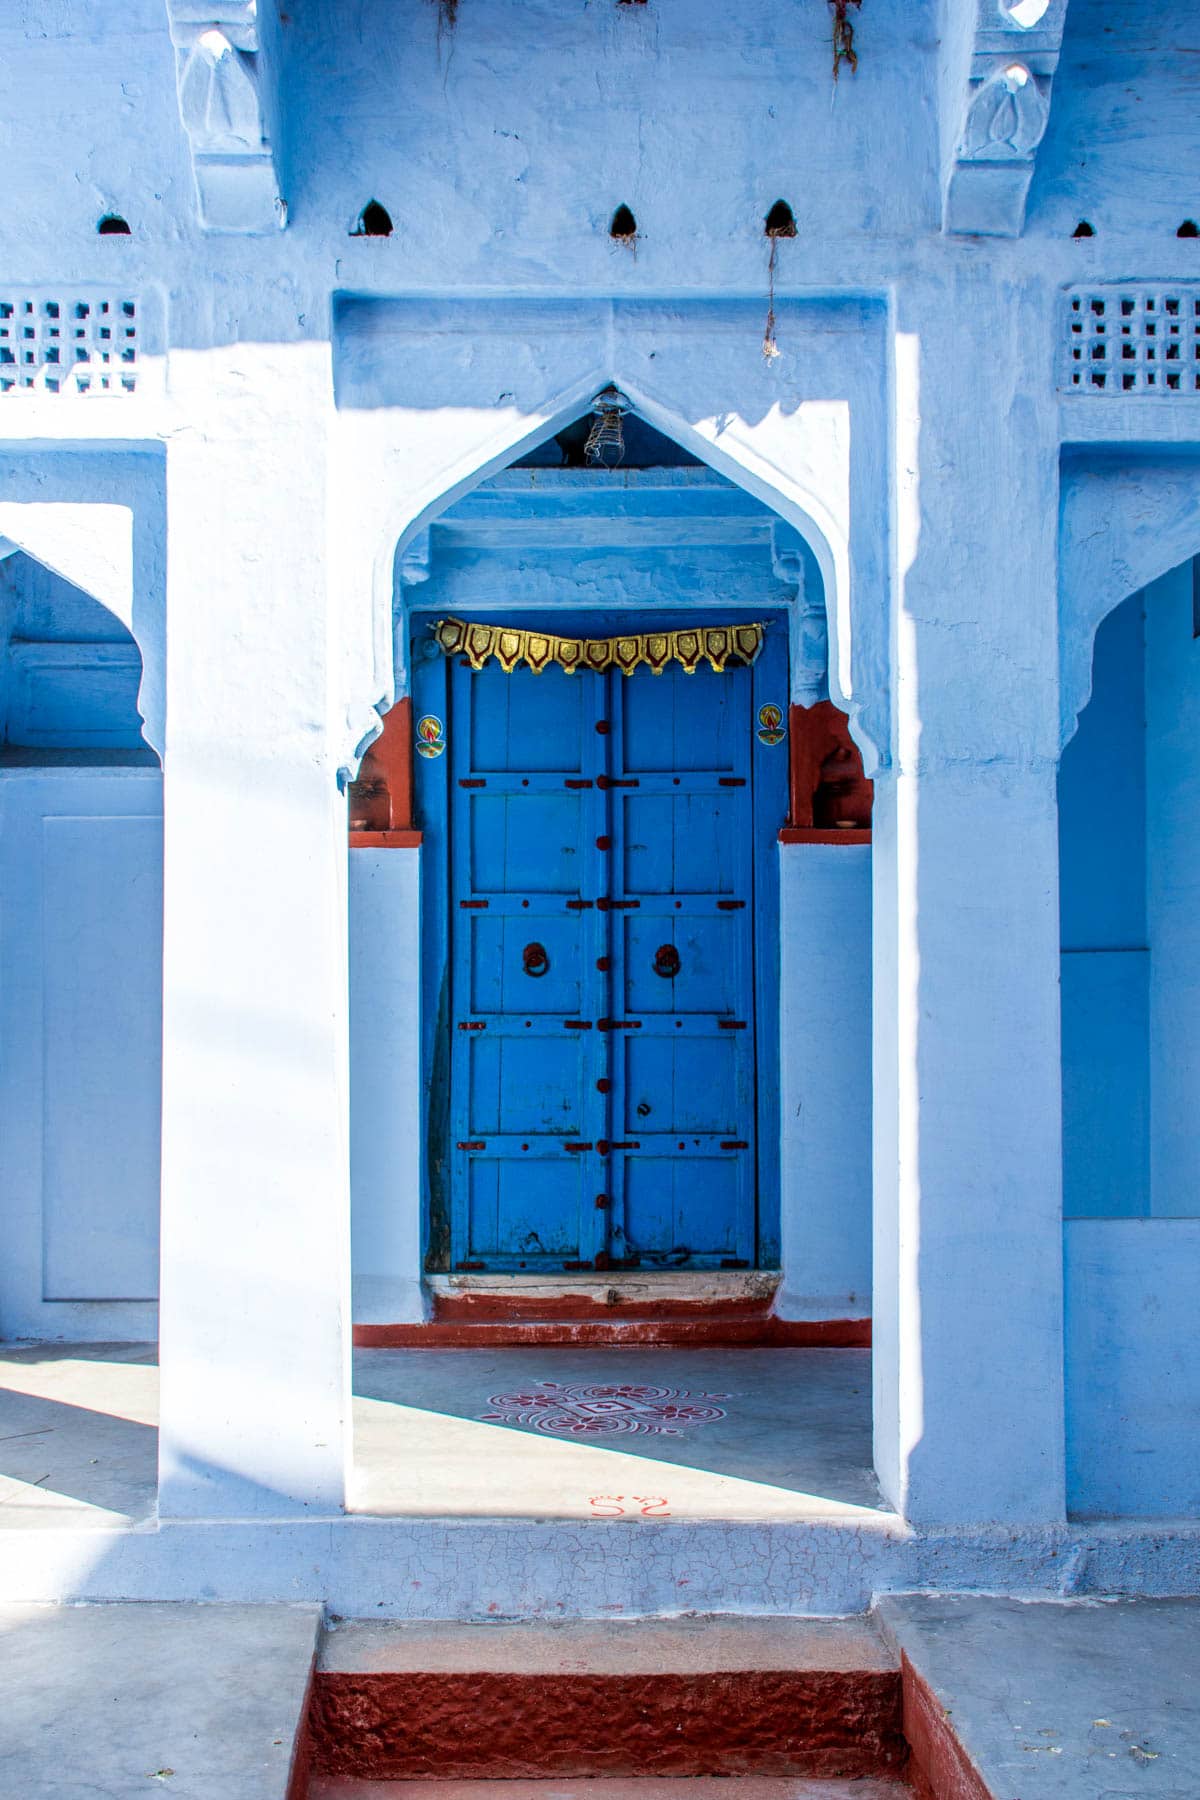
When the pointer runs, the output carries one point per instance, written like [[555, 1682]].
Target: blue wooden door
[[527, 948], [681, 1040], [611, 852]]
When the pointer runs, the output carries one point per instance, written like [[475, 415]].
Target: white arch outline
[[789, 499], [1126, 518]]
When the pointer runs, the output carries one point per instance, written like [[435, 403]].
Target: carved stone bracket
[[998, 82], [225, 105]]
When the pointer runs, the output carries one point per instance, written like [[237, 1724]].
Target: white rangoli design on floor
[[604, 1409]]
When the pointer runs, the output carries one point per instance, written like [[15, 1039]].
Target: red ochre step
[[651, 1787], [716, 1331], [705, 1310], [686, 1698]]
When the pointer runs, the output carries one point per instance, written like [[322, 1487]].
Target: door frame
[[430, 689]]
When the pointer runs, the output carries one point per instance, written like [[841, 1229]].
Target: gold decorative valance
[[714, 644]]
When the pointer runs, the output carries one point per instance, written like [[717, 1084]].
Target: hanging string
[[843, 35], [770, 348]]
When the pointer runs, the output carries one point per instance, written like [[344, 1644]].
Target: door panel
[[527, 1209], [503, 952], [690, 1081], [527, 843], [517, 1088], [683, 966], [690, 1203], [676, 723], [525, 984], [706, 949], [604, 1033], [526, 723]]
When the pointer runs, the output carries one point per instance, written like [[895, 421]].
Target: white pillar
[[255, 1316], [967, 1117]]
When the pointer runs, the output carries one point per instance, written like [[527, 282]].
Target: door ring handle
[[666, 961], [534, 959]]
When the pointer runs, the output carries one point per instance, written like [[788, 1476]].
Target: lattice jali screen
[[75, 345], [1132, 339]]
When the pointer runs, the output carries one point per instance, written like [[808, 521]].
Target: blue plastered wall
[[1129, 798]]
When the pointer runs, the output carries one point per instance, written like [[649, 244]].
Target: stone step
[[662, 1308], [615, 1698], [719, 1328], [648, 1787]]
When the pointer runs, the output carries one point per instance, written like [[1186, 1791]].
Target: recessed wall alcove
[[80, 955], [1129, 834]]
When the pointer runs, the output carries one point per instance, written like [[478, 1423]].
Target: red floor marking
[[619, 1506], [603, 1409]]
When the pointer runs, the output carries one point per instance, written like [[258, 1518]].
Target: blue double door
[[610, 914]]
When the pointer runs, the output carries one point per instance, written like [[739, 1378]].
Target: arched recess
[[806, 512], [81, 871], [407, 446], [1126, 518], [114, 549], [1129, 831]]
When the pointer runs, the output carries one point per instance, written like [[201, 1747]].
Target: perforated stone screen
[[68, 344], [1135, 339]]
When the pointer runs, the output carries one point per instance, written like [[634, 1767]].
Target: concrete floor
[[195, 1702], [731, 1435], [789, 1436], [1074, 1700], [78, 1435]]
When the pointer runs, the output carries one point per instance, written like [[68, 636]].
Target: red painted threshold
[[714, 1331], [524, 1306], [939, 1768], [506, 1726]]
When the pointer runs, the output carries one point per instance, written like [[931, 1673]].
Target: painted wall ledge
[[385, 840], [803, 834]]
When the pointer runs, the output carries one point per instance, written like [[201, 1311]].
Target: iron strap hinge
[[471, 1144], [618, 1024], [731, 1024], [472, 1025], [577, 1147], [607, 905], [604, 1146]]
